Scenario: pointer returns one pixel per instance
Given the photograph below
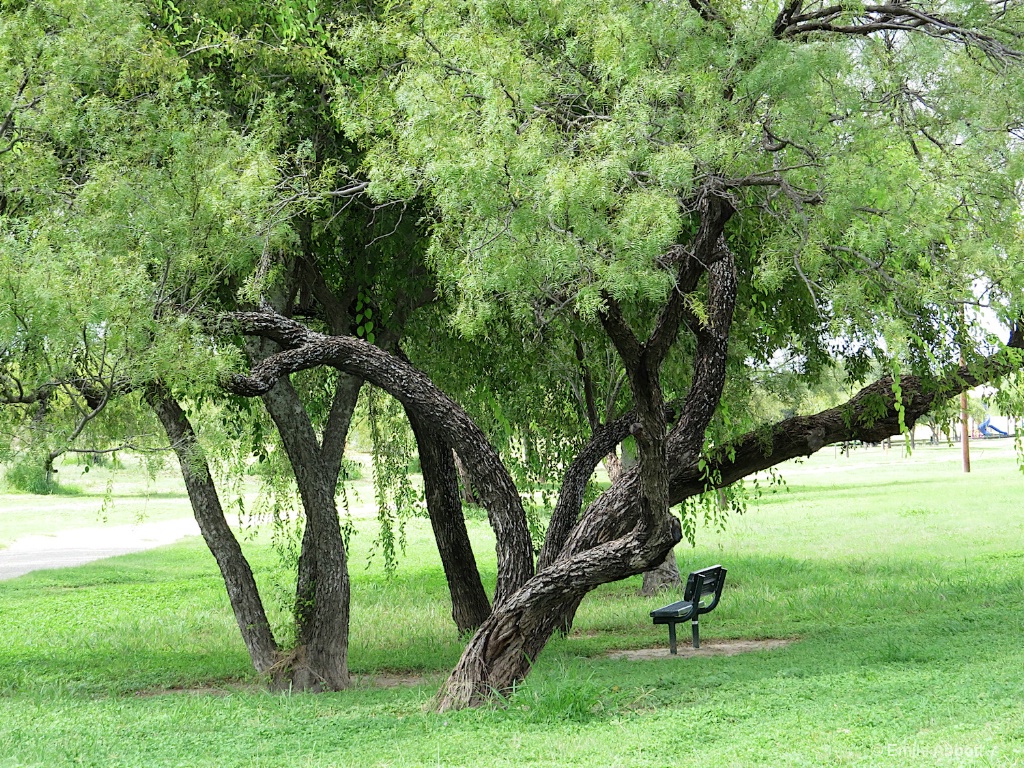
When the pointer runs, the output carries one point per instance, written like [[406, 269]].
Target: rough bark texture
[[489, 476], [320, 660], [465, 485], [502, 650], [665, 576], [470, 607], [613, 466], [629, 528], [574, 485], [869, 416], [234, 568]]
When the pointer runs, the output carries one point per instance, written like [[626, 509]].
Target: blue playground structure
[[988, 430]]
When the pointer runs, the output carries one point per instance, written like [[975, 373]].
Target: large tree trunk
[[629, 528], [241, 586], [320, 659], [501, 652], [665, 576], [470, 606]]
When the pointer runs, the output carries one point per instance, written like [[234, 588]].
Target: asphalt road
[[78, 546]]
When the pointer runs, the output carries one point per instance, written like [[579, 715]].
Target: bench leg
[[672, 639], [696, 634]]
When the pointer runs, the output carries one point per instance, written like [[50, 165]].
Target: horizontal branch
[[872, 415]]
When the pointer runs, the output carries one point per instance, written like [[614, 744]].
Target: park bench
[[699, 585]]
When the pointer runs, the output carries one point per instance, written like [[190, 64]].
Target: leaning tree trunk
[[470, 606], [501, 652], [629, 528], [241, 586]]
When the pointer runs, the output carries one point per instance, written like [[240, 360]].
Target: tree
[[833, 182], [699, 188], [184, 179]]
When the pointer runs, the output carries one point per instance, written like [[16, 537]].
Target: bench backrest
[[700, 584]]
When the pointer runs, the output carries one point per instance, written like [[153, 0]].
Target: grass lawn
[[134, 497], [901, 580]]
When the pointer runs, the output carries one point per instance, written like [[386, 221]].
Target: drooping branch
[[490, 477], [870, 18], [12, 391], [335, 308], [707, 11], [621, 335]]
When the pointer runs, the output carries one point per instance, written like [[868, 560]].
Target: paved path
[[77, 546]]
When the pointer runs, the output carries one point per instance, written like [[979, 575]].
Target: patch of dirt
[[382, 680], [385, 680], [707, 648]]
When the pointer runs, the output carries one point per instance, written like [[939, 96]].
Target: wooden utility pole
[[965, 432]]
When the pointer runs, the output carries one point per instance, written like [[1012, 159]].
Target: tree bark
[[574, 485], [470, 607], [465, 485], [234, 568], [664, 576], [503, 649], [489, 476], [320, 659], [613, 466]]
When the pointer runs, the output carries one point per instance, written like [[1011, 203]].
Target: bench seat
[[706, 582], [680, 611]]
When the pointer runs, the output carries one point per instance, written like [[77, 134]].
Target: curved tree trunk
[[470, 606], [501, 652], [411, 387], [241, 586], [629, 528]]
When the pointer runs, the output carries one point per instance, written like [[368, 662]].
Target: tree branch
[[622, 337], [870, 416], [708, 248], [710, 359], [417, 393], [898, 16]]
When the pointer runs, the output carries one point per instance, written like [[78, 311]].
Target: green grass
[[901, 579], [79, 501]]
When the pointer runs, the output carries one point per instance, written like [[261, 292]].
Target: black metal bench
[[699, 584]]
